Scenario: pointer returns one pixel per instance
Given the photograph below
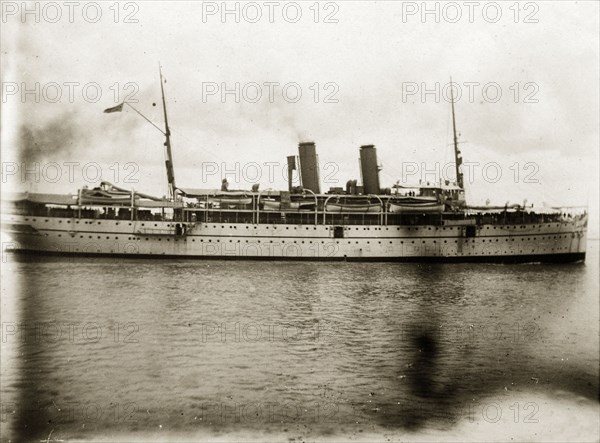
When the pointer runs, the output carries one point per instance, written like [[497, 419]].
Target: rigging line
[[145, 118]]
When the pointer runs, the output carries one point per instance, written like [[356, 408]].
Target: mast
[[169, 160], [457, 156]]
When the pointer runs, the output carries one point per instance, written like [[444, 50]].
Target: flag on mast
[[117, 108]]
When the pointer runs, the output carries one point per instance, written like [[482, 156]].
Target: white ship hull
[[557, 241]]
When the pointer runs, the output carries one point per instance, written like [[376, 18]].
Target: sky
[[341, 74]]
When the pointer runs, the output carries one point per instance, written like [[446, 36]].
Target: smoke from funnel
[[50, 140]]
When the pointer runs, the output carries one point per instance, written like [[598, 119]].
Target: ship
[[430, 222]]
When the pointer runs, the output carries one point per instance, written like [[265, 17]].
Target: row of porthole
[[549, 225], [255, 227], [283, 241], [107, 237], [379, 229], [77, 222], [535, 238], [520, 251], [434, 241], [99, 237], [528, 238], [533, 250], [337, 242], [275, 227], [271, 241], [315, 228]]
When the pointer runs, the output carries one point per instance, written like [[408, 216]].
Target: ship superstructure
[[428, 222]]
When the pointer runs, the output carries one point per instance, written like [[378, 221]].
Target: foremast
[[169, 155]]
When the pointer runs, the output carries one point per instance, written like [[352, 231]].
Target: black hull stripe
[[570, 257]]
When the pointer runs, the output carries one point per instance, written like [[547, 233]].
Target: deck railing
[[319, 215]]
